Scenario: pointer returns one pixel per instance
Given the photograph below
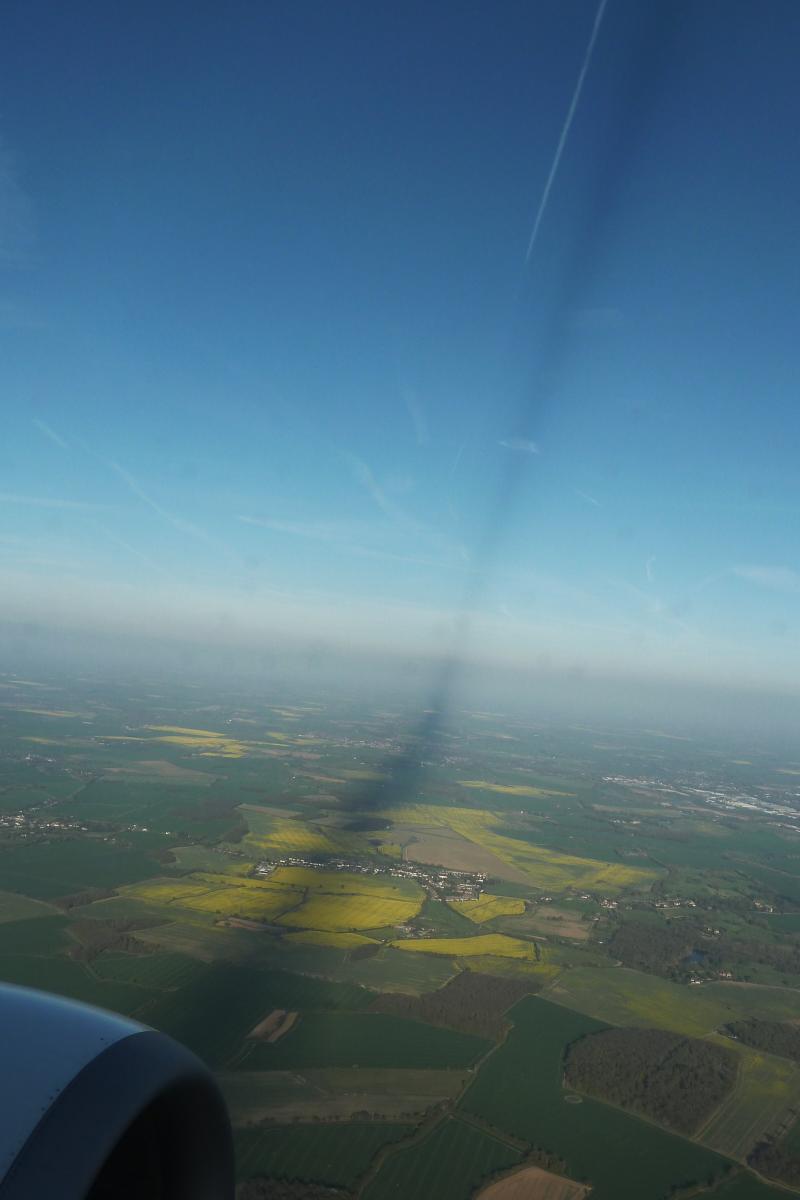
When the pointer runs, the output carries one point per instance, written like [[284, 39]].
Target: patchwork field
[[385, 887], [450, 850], [767, 1091], [532, 1183], [537, 865], [322, 911], [245, 995], [518, 1090], [161, 971], [488, 907], [335, 1155], [340, 940], [286, 837], [624, 997], [145, 814], [511, 789], [550, 921], [496, 944], [449, 1164], [221, 895], [254, 1096], [341, 1039]]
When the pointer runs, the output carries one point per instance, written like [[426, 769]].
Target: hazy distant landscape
[[564, 956]]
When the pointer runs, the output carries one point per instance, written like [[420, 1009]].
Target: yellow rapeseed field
[[322, 911], [206, 741], [511, 789], [344, 882], [489, 906], [338, 939], [284, 836], [225, 895], [50, 712], [231, 880], [245, 902], [496, 944], [545, 868], [168, 891]]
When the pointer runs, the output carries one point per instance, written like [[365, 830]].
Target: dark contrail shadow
[[642, 40]]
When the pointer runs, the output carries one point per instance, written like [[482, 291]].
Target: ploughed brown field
[[551, 921], [532, 1183], [456, 854]]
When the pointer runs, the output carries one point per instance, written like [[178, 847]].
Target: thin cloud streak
[[523, 445], [589, 499], [777, 579], [562, 141], [418, 419], [363, 475], [321, 531], [50, 433], [457, 459], [178, 523], [112, 537], [51, 502]]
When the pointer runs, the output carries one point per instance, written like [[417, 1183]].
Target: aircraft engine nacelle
[[95, 1106]]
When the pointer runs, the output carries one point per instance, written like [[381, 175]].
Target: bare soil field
[[284, 1027], [532, 1183], [550, 922], [270, 810], [455, 853], [157, 769], [270, 1023]]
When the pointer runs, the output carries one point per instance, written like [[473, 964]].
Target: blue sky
[[271, 348]]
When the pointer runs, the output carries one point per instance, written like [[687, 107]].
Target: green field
[[746, 1186], [253, 1096], [242, 996], [784, 922], [518, 1090], [336, 1155], [341, 1039], [40, 935], [448, 1164], [14, 907], [52, 869], [767, 1089], [387, 971], [74, 980], [620, 996], [161, 971]]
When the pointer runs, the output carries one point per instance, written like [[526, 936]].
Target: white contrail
[[576, 95]]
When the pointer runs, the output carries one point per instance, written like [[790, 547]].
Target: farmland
[[244, 995], [321, 937], [541, 867], [323, 911], [488, 907], [767, 1090], [532, 1183], [449, 1163], [518, 1090], [336, 1093], [336, 1156], [341, 1039], [208, 863], [487, 943]]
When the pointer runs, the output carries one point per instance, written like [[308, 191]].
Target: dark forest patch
[[470, 1002], [671, 1079]]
